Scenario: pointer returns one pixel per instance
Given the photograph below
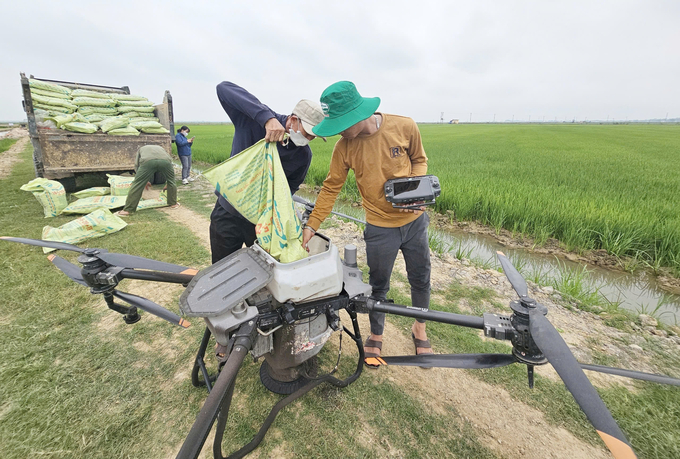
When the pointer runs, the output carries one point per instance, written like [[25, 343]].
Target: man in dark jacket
[[184, 152], [254, 121]]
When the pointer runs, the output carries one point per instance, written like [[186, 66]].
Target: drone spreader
[[286, 313]]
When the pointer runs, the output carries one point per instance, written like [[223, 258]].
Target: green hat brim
[[332, 126]]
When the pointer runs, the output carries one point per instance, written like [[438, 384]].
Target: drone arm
[[156, 276], [206, 417], [364, 304]]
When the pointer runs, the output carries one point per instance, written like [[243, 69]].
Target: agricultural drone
[[285, 313]]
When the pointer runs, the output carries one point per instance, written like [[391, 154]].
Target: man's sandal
[[424, 344], [371, 359]]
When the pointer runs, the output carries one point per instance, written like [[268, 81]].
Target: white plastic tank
[[315, 277]]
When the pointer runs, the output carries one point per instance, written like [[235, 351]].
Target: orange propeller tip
[[51, 257], [184, 323], [190, 271], [500, 253]]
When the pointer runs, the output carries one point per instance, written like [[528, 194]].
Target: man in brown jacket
[[377, 147]]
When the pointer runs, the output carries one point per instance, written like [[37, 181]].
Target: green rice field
[[612, 187]]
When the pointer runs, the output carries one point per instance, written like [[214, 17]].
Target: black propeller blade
[[152, 308], [661, 379], [468, 361], [115, 259], [516, 280], [41, 243], [134, 262], [560, 357], [67, 268]]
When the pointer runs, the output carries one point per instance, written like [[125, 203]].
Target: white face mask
[[297, 137], [185, 133]]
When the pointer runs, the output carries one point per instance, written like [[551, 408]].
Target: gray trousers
[[186, 166], [382, 246]]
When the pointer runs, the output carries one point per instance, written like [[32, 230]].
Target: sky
[[474, 60]]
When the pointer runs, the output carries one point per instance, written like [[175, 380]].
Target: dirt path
[[12, 156], [478, 403]]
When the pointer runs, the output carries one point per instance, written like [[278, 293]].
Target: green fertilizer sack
[[139, 110], [160, 130], [135, 103], [58, 95], [128, 130], [107, 111], [149, 115], [48, 86], [52, 108], [87, 205], [115, 96], [88, 93], [114, 123], [61, 119], [141, 118], [119, 185], [160, 201], [145, 124], [95, 224], [53, 101], [93, 102], [95, 118], [94, 191], [83, 128], [49, 193], [254, 183]]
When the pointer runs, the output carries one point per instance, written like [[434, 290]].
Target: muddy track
[[13, 155], [476, 402]]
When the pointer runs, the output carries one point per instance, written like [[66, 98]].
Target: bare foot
[[174, 206], [122, 213]]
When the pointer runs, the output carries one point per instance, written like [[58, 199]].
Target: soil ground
[[476, 401]]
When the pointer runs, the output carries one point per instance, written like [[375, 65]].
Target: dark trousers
[[382, 247], [145, 174], [228, 233], [186, 166]]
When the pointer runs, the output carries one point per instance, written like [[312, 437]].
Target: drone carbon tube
[[467, 361]]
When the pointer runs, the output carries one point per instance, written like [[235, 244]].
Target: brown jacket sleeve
[[337, 174], [417, 153]]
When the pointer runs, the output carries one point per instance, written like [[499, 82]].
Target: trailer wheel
[[69, 184]]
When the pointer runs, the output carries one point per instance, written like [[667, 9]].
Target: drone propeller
[[661, 379], [67, 268], [551, 344], [151, 307], [41, 243], [467, 361], [115, 259]]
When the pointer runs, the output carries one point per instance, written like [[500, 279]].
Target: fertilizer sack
[[83, 128], [61, 119], [93, 102], [57, 95], [106, 111], [96, 224], [155, 130], [135, 103], [119, 185], [127, 130], [114, 123], [49, 193], [115, 96], [161, 201], [48, 86], [88, 93], [87, 205], [51, 108], [94, 191], [254, 183], [53, 101], [128, 108]]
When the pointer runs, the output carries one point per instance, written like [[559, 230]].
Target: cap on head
[[310, 115], [343, 107]]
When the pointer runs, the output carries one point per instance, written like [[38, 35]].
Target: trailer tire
[[69, 184]]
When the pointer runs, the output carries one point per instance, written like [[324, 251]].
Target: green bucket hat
[[343, 107]]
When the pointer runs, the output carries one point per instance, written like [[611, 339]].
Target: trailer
[[63, 155]]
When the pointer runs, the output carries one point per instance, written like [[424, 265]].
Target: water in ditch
[[637, 292]]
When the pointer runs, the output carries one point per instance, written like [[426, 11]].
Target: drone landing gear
[[280, 382], [199, 365]]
